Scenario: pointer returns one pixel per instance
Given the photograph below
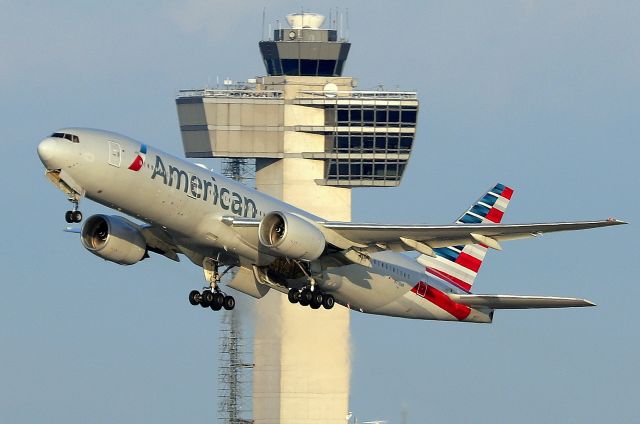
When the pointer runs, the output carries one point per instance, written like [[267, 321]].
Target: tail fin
[[459, 265]]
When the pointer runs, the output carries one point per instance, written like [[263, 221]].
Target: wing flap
[[519, 302]]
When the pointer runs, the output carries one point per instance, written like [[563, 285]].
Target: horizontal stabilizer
[[497, 301]]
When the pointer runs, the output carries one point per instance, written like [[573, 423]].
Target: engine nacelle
[[113, 238], [286, 234]]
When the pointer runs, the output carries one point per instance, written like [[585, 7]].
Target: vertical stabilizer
[[459, 265]]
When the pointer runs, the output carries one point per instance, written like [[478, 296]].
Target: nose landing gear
[[74, 215]]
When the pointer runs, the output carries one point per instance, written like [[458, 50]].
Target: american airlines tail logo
[[139, 160]]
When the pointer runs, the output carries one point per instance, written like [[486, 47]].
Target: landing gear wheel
[[316, 300], [328, 301], [68, 216], [194, 297], [305, 297], [229, 303], [294, 296], [76, 216], [207, 298], [217, 302]]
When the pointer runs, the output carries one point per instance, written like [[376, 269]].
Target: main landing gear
[[212, 297], [309, 295], [215, 300], [313, 298], [74, 215]]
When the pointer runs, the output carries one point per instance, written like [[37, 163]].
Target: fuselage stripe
[[450, 279], [441, 300]]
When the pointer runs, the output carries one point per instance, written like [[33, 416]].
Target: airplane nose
[[46, 150]]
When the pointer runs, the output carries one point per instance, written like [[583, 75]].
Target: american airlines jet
[[218, 224]]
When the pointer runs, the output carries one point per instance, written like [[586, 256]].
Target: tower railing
[[249, 92], [360, 94]]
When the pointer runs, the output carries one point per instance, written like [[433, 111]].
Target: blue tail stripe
[[489, 199], [499, 188], [470, 219], [480, 210], [447, 253]]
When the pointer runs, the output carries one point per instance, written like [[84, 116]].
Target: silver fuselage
[[190, 203]]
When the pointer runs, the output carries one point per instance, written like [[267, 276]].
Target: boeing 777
[[219, 223]]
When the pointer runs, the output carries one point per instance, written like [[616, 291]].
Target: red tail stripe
[[495, 215], [507, 193], [450, 279], [443, 301], [469, 262]]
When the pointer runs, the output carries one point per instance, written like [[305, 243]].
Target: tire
[[328, 302], [68, 217], [229, 303], [194, 297], [76, 216], [218, 301], [316, 300], [305, 297], [294, 296], [207, 298]]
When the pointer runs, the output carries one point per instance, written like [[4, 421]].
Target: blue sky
[[540, 95]]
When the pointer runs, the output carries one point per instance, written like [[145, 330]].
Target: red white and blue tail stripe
[[459, 265]]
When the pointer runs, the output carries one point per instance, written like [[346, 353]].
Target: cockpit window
[[71, 137]]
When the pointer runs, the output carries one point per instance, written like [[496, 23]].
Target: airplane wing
[[426, 237]]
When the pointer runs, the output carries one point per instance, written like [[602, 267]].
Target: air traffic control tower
[[313, 138]]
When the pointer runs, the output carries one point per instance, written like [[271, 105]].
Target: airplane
[[215, 222]]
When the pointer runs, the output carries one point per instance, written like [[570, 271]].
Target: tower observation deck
[[313, 138], [305, 108]]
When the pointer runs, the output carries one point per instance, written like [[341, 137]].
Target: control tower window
[[354, 170], [381, 144], [290, 66], [368, 115], [308, 67], [273, 67], [381, 115], [326, 68], [409, 115]]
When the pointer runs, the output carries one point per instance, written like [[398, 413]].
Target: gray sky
[[540, 95]]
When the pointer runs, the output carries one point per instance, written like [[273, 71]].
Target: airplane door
[[115, 154], [422, 289]]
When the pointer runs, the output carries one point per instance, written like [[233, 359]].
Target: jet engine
[[114, 239], [288, 235]]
